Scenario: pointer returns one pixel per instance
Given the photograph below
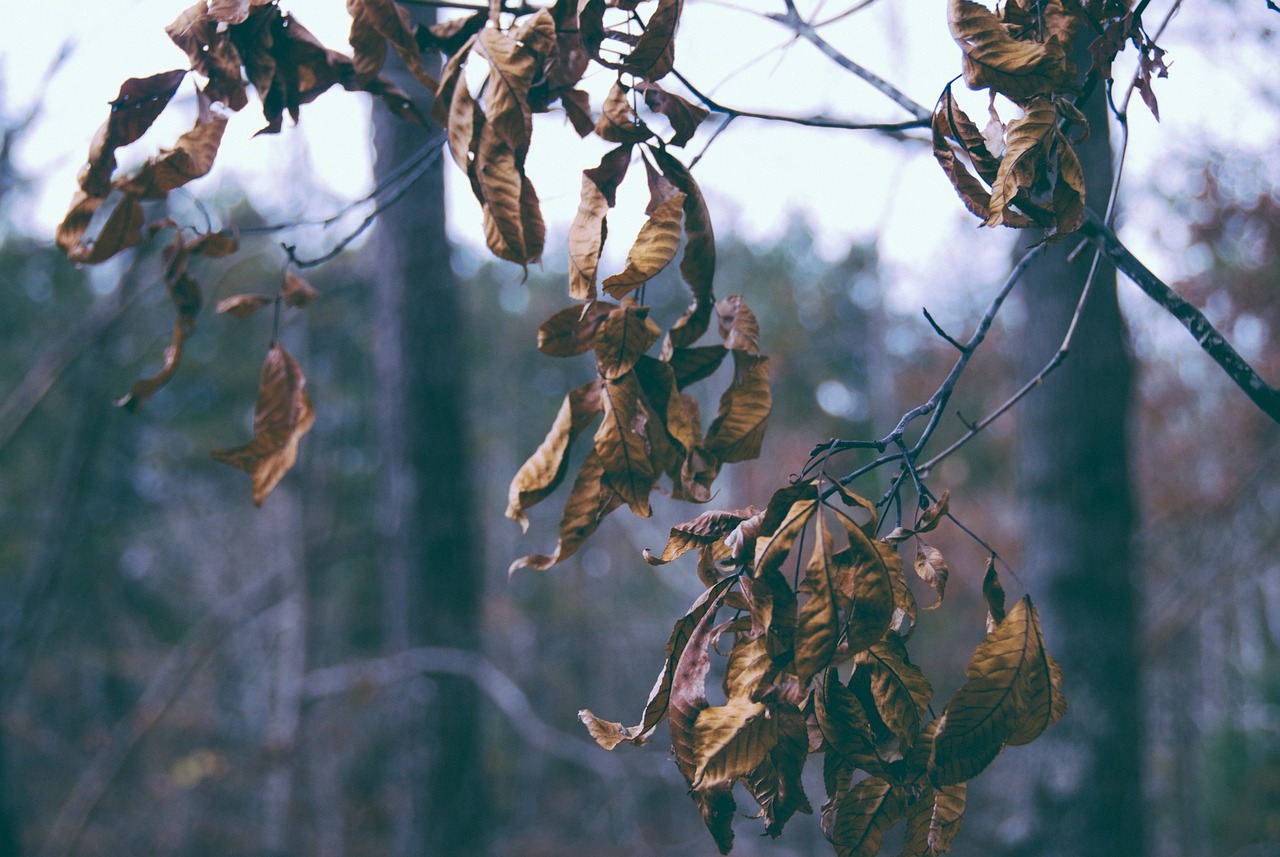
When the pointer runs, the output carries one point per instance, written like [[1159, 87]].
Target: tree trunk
[[431, 581], [1083, 779]]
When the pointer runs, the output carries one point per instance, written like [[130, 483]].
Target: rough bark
[[431, 581], [1082, 784]]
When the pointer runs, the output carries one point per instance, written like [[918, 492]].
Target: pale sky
[[849, 186]]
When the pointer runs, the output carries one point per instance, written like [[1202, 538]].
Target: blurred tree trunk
[[430, 576], [1084, 782]]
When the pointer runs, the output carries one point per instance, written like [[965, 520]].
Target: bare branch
[[1266, 397], [505, 694]]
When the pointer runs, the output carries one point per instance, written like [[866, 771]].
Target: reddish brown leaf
[[145, 388], [242, 306], [618, 122], [622, 443], [590, 500], [546, 468], [683, 116], [283, 415], [296, 291], [572, 330]]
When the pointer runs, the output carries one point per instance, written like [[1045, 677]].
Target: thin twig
[[854, 9]]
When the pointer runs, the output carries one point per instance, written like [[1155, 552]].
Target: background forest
[[181, 673]]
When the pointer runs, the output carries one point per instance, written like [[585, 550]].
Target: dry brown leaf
[[623, 336], [654, 53], [738, 430], [589, 228], [622, 443], [572, 330], [588, 504], [283, 415], [545, 469], [1019, 70], [190, 158], [145, 388], [296, 291], [654, 248], [698, 266], [683, 116], [618, 122], [242, 306], [932, 568]]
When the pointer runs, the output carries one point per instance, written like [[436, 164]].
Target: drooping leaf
[[95, 229], [296, 291], [654, 248], [283, 415], [706, 529], [944, 822], [618, 122], [731, 741], [778, 547], [622, 444], [775, 783], [1026, 157], [140, 101], [609, 734], [930, 517], [993, 594], [242, 306], [589, 228], [190, 158], [543, 472], [654, 53], [622, 337], [1019, 70], [572, 330], [693, 364], [844, 726], [393, 23], [738, 326], [1008, 694], [737, 432], [590, 500], [145, 388], [212, 54], [773, 615], [820, 618], [683, 116], [870, 588], [862, 815], [932, 568], [512, 66], [698, 265], [901, 691]]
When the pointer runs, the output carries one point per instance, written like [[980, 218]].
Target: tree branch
[[1266, 397], [505, 694]]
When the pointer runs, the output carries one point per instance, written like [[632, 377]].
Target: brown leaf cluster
[[1025, 173], [800, 621]]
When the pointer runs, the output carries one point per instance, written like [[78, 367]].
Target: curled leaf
[[242, 306]]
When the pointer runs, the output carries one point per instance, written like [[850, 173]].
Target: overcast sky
[[848, 186]]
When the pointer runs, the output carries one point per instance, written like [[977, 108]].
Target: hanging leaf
[[622, 444], [145, 388], [393, 23], [698, 265], [572, 330], [654, 53], [738, 326], [618, 122], [654, 248], [902, 693], [690, 365], [869, 587], [242, 306], [588, 230], [1019, 70], [588, 504], [993, 594], [546, 468], [862, 815], [209, 47], [704, 530], [1026, 157], [296, 291], [930, 517], [932, 568], [1009, 693], [95, 229], [821, 616], [190, 158], [731, 741], [683, 116], [609, 734], [737, 432], [283, 415], [846, 730], [623, 336]]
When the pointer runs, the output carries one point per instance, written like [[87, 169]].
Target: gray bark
[[1080, 786], [431, 580]]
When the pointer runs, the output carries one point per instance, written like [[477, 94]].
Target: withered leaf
[[590, 500], [588, 230], [862, 815], [512, 66], [775, 783], [543, 472], [819, 620], [296, 291], [844, 726], [706, 529], [870, 588], [944, 822], [737, 432], [190, 158], [242, 306], [1019, 70], [572, 330], [139, 102], [683, 116], [283, 415], [1009, 694], [209, 48], [392, 22], [731, 741], [609, 734], [993, 594], [693, 364], [932, 568], [1026, 156], [623, 336], [618, 122], [698, 265], [930, 517], [95, 229], [145, 388], [738, 326], [654, 248], [901, 691], [622, 444], [654, 53]]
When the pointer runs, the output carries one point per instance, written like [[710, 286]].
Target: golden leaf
[[609, 734], [283, 415], [590, 500], [731, 741], [819, 623], [624, 335], [775, 783], [512, 67], [1026, 157], [901, 691], [706, 529], [1009, 694], [588, 230], [623, 446], [870, 588], [545, 469], [654, 248], [1019, 70], [698, 265], [861, 816], [944, 821], [737, 432]]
